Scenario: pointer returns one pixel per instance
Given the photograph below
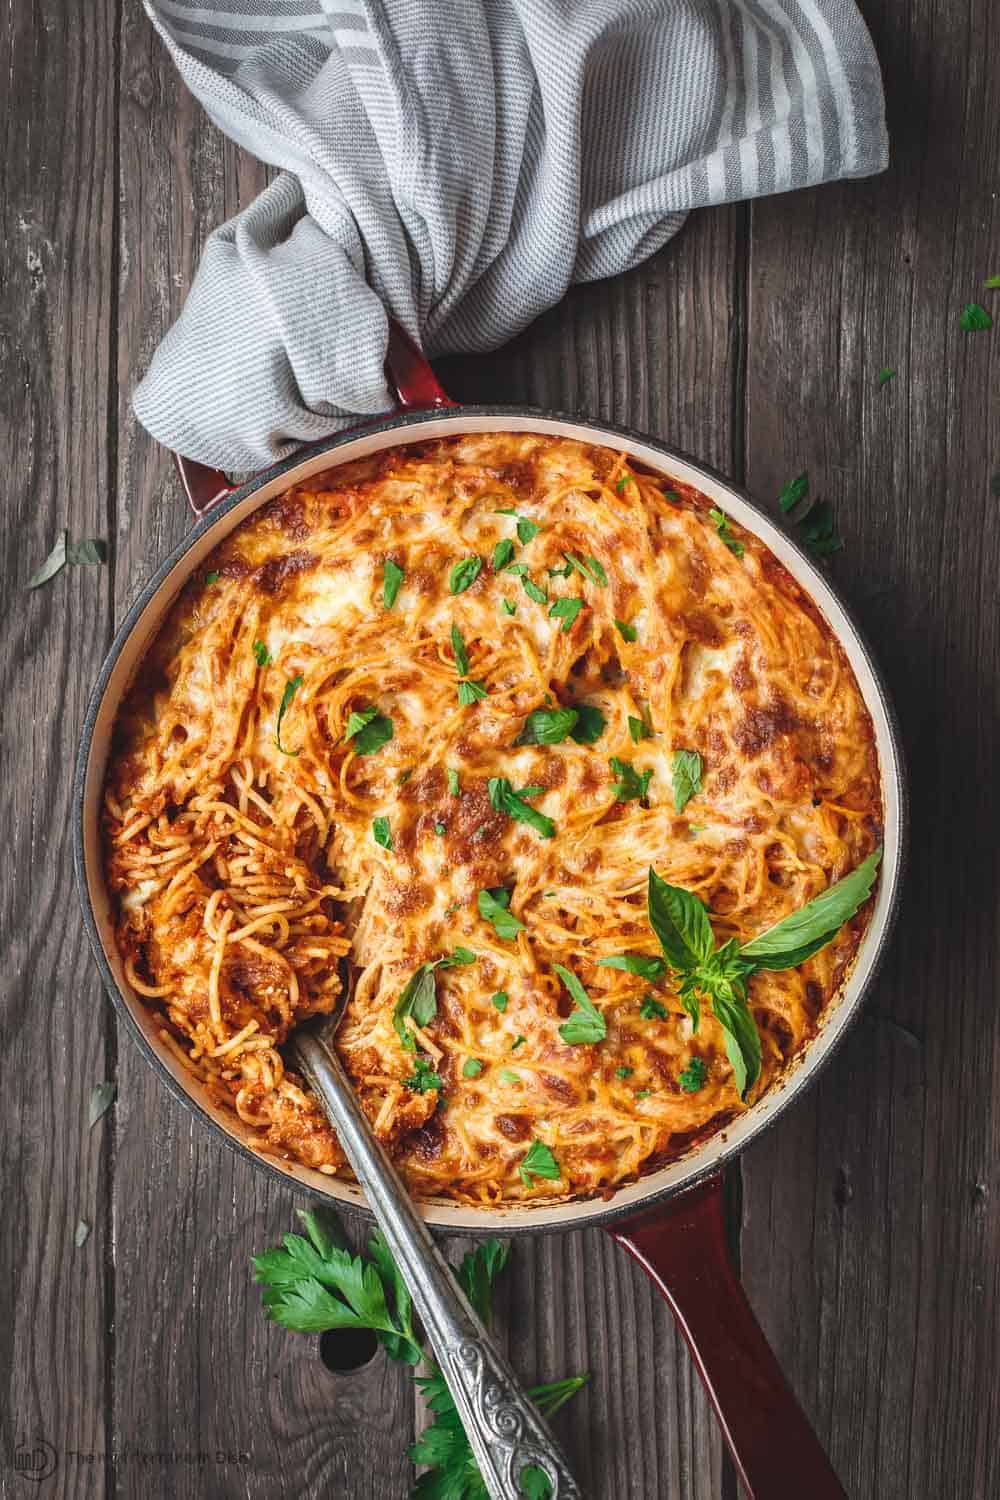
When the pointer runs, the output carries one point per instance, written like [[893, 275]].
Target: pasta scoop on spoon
[[506, 1432]]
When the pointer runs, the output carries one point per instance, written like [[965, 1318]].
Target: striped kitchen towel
[[457, 164]]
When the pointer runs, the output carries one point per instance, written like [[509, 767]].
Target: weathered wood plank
[[198, 1370], [56, 274], [659, 350], [871, 1241]]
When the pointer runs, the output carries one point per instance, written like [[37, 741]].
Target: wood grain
[[57, 197], [872, 1225]]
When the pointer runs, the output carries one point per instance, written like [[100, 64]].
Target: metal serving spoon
[[505, 1430]]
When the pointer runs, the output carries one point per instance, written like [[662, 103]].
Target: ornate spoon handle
[[505, 1430]]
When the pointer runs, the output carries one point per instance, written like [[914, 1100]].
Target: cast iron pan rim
[[519, 1219]]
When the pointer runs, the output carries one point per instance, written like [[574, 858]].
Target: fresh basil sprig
[[720, 975]]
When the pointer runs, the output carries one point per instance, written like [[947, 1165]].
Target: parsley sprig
[[313, 1283], [815, 523]]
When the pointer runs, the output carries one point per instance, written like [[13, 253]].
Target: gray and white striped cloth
[[457, 164]]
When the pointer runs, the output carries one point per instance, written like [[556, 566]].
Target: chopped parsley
[[539, 595], [503, 553], [404, 776], [508, 606], [566, 610], [439, 828], [695, 828], [291, 688], [647, 966], [261, 655], [381, 832], [630, 785], [992, 283], [818, 532], [652, 1010], [885, 375], [792, 491], [638, 729], [464, 574], [626, 631], [456, 956], [693, 1076], [538, 1161], [725, 534], [461, 652], [585, 1024], [423, 1078], [548, 726], [212, 577], [473, 1067], [503, 798], [974, 318], [392, 577], [643, 1093], [471, 691], [507, 1075], [417, 1001], [499, 1001], [527, 530], [685, 775], [518, 1041], [623, 481], [453, 785], [369, 730], [493, 906], [587, 567], [624, 1072]]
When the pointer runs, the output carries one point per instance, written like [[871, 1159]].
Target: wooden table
[[868, 1220]]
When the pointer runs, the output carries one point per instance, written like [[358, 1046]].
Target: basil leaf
[[685, 768], [548, 726], [381, 832], [797, 937], [212, 577], [540, 596], [369, 730], [585, 1024], [519, 570], [291, 688], [792, 491], [590, 724], [587, 567], [493, 906], [538, 1161], [623, 481], [419, 1000], [526, 530], [630, 786], [456, 956], [566, 610], [504, 799], [645, 965], [740, 1035], [508, 606], [974, 318], [470, 691], [461, 654], [681, 923], [464, 574], [392, 577], [626, 631], [624, 1072], [507, 1075], [503, 553], [261, 655], [563, 572], [725, 534]]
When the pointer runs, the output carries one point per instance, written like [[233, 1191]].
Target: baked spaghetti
[[432, 716]]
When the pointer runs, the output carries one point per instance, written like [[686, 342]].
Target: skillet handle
[[413, 384], [682, 1246]]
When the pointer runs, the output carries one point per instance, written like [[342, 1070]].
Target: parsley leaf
[[725, 534], [212, 577], [423, 1078], [645, 965], [381, 832], [792, 491], [472, 1068], [418, 1000], [461, 654], [508, 606], [464, 574], [503, 553], [392, 577], [548, 726], [540, 596], [456, 957], [624, 1072], [652, 1010], [623, 481], [693, 1076], [685, 767], [638, 729], [974, 318], [499, 1000], [504, 799], [369, 730], [885, 375], [626, 631], [566, 609], [527, 530], [470, 691], [630, 786], [291, 688], [453, 785], [587, 567], [261, 655], [992, 283], [590, 724], [493, 906], [585, 1023], [538, 1161]]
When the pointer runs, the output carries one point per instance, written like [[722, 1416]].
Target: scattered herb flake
[[508, 1075], [423, 1078], [623, 481], [548, 726], [538, 1161], [566, 610], [453, 786], [81, 1234], [725, 534], [392, 578], [508, 606], [499, 1001], [539, 595], [471, 691], [291, 688], [685, 768], [503, 553], [792, 491], [992, 283], [587, 567], [212, 577], [626, 631], [646, 965], [643, 1093], [693, 1076], [381, 832], [590, 724], [585, 1023], [638, 729], [974, 318], [629, 785], [624, 1072], [518, 1041], [440, 829], [261, 655], [652, 1010], [472, 1068], [493, 906], [461, 654], [885, 375], [369, 730]]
